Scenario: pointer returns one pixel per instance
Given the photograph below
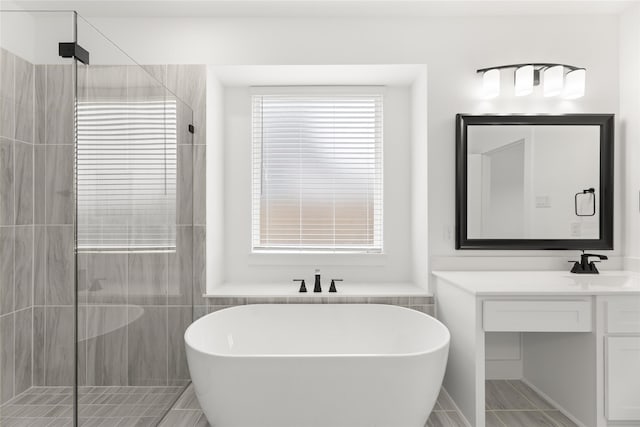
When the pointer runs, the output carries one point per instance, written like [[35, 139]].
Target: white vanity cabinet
[[580, 339], [622, 358]]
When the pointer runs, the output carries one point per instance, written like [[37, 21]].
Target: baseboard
[[455, 405], [554, 403], [503, 369]]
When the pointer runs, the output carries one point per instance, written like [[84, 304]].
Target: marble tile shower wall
[[54, 269], [133, 307], [17, 143], [422, 304], [136, 306]]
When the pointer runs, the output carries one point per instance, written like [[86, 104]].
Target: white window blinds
[[126, 166], [317, 173]]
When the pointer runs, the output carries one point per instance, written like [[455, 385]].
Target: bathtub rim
[[432, 350]]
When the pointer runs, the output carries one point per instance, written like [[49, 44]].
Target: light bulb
[[553, 80], [574, 84], [491, 84], [524, 80]]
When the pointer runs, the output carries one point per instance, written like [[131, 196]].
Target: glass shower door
[[134, 237]]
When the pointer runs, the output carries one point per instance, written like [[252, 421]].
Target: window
[[317, 173], [126, 164]]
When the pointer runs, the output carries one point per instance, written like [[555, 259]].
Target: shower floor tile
[[98, 406]]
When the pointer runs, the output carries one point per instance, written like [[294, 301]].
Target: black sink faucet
[[584, 266]]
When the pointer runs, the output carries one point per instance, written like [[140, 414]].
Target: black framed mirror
[[534, 181]]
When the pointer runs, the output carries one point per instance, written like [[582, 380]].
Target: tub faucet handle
[[317, 287], [332, 288], [303, 287]]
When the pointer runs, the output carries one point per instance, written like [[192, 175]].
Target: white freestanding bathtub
[[317, 365]]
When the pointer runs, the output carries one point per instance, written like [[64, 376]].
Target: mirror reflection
[[533, 182]]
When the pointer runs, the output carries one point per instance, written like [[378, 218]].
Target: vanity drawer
[[623, 315], [537, 315]]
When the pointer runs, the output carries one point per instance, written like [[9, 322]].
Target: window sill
[[345, 290], [315, 259]]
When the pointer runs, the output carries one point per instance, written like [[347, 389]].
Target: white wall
[[630, 129], [34, 36], [215, 250], [452, 47], [419, 180], [241, 266]]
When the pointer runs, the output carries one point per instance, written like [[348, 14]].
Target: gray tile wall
[[53, 232], [422, 304], [16, 223]]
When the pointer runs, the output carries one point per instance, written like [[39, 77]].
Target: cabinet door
[[623, 378]]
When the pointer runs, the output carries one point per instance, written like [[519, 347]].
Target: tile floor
[[186, 413], [509, 404], [99, 406]]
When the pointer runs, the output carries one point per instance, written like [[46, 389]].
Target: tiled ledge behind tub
[[424, 304]]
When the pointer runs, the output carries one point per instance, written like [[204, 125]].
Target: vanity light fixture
[[557, 79], [524, 80], [574, 84], [553, 80], [491, 84]]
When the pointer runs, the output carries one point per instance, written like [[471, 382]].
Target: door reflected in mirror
[[533, 182]]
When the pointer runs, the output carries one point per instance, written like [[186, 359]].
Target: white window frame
[[377, 247]]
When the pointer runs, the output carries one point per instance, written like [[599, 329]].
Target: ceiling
[[322, 8]]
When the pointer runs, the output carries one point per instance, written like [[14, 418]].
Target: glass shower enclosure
[[96, 228]]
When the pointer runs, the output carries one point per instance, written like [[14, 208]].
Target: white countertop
[[290, 290], [532, 283]]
